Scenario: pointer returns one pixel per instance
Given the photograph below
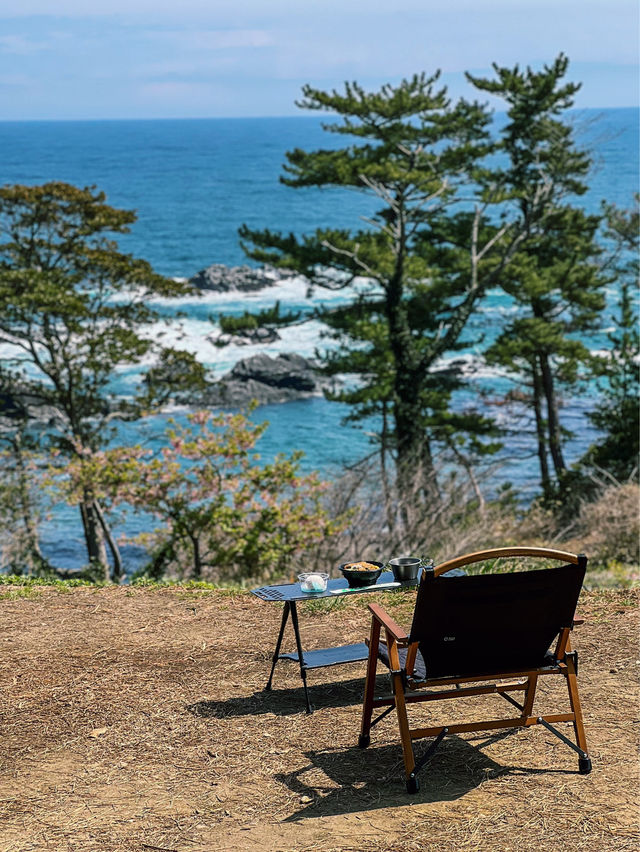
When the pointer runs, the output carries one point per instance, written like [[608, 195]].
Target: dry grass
[[134, 720], [609, 527]]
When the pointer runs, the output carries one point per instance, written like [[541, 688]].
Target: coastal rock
[[288, 371], [26, 405], [245, 337], [219, 278], [266, 379]]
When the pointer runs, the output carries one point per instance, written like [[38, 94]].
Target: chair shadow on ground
[[283, 702], [351, 780]]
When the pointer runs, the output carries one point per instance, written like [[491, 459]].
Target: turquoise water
[[193, 182]]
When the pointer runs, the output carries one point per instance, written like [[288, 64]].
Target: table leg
[[276, 654], [303, 671]]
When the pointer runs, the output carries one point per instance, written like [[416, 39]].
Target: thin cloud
[[21, 46], [211, 39], [251, 57], [191, 68], [171, 89]]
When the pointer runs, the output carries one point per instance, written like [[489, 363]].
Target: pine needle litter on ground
[[134, 719]]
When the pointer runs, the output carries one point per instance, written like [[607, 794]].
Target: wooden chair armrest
[[388, 623]]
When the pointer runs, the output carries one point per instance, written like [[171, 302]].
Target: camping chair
[[471, 629]]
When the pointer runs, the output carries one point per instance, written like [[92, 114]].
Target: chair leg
[[369, 684], [584, 763], [405, 735], [529, 695]]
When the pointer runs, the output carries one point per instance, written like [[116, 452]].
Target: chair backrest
[[491, 623]]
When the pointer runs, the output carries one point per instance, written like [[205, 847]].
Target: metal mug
[[406, 568]]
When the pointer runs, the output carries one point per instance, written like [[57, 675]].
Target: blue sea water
[[193, 182]]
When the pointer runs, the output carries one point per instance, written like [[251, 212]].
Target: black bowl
[[360, 579]]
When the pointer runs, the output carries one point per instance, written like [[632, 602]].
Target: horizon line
[[303, 114]]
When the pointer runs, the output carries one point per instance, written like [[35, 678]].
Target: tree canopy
[[617, 412], [420, 266], [73, 311], [222, 512], [555, 278]]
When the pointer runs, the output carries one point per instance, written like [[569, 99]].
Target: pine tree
[[420, 267], [618, 411], [555, 279]]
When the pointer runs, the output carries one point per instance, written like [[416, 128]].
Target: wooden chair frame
[[405, 687]]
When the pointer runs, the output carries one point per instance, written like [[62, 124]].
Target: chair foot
[[584, 764], [364, 740], [413, 785]]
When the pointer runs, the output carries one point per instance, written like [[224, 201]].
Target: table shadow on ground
[[284, 702]]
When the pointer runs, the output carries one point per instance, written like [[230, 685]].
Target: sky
[[96, 59]]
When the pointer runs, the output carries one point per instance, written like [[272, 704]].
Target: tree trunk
[[465, 462], [414, 464], [545, 479], [197, 558], [553, 423], [384, 449], [31, 531], [113, 547], [94, 538]]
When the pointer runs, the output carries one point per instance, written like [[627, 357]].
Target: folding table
[[290, 594]]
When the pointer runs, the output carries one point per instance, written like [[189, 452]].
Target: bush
[[222, 514], [250, 322], [231, 325]]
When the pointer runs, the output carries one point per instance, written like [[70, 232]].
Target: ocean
[[192, 183]]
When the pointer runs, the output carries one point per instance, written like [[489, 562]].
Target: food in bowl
[[362, 573]]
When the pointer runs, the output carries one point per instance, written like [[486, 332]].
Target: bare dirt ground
[[134, 720]]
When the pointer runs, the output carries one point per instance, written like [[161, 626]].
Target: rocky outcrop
[[25, 405], [219, 278], [266, 379], [246, 337]]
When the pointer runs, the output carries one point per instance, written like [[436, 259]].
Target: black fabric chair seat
[[420, 670]]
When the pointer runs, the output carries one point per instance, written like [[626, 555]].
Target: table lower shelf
[[321, 657]]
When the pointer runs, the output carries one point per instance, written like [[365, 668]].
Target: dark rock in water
[[266, 379], [285, 371], [246, 337], [262, 335], [27, 405], [245, 279]]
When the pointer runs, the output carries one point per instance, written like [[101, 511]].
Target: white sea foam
[[197, 336], [288, 291]]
